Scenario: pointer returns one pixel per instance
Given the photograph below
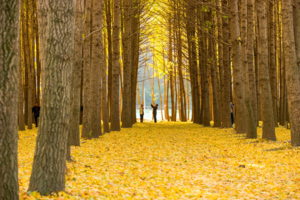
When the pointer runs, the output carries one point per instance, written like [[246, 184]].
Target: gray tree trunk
[[115, 110], [96, 53], [110, 53], [126, 109], [226, 120], [240, 117], [86, 119], [292, 72], [251, 130], [48, 170], [135, 32], [75, 112], [250, 50], [9, 72], [103, 74], [297, 29], [263, 69], [272, 59], [20, 99], [28, 67]]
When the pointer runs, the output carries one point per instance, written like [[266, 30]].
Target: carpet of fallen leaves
[[174, 161]]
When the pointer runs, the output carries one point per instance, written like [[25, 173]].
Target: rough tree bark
[[166, 89], [226, 120], [191, 33], [220, 59], [272, 59], [28, 66], [95, 83], [205, 78], [75, 112], [213, 71], [48, 170], [86, 119], [263, 69], [103, 79], [126, 109], [115, 113], [9, 71], [240, 117], [20, 98], [135, 24], [292, 72], [170, 59], [110, 53], [251, 125], [297, 29], [250, 49]]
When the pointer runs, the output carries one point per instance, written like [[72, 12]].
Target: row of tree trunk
[[65, 54], [237, 52]]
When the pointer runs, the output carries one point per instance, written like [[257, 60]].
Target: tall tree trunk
[[110, 53], [126, 110], [264, 80], [95, 100], [277, 55], [28, 67], [166, 89], [258, 113], [191, 34], [179, 60], [251, 130], [226, 120], [283, 90], [75, 112], [48, 170], [115, 114], [296, 19], [292, 72], [38, 60], [9, 72], [103, 79], [160, 97], [33, 58], [250, 49], [273, 71], [220, 60], [240, 117], [217, 116], [170, 59], [205, 81], [135, 23], [20, 97], [86, 119]]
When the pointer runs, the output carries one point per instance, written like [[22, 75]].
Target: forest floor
[[174, 161]]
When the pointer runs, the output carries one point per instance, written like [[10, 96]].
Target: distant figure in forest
[[231, 109], [154, 108], [141, 113], [36, 110]]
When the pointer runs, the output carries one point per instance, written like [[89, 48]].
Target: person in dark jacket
[[154, 108], [36, 112], [141, 113], [231, 109]]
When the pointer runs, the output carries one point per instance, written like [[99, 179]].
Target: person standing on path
[[141, 113], [154, 108], [36, 110], [231, 109]]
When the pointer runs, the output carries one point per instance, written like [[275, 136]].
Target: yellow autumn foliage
[[174, 161]]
